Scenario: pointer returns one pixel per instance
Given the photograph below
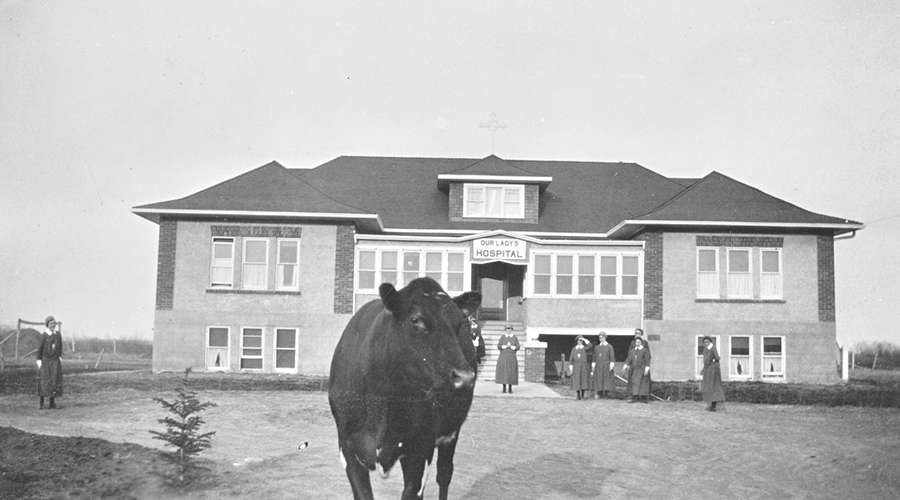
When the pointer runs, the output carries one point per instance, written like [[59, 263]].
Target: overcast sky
[[106, 105]]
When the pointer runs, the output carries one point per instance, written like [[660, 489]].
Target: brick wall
[[343, 270], [653, 274], [825, 260], [165, 264], [740, 241], [534, 364]]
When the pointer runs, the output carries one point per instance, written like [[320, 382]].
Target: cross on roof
[[493, 125]]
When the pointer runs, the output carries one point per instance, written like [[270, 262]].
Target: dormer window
[[495, 201]]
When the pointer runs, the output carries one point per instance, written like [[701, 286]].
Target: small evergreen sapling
[[183, 428]]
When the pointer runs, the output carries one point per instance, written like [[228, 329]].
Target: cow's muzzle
[[463, 379]]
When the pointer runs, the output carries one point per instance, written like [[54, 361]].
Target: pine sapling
[[183, 429]]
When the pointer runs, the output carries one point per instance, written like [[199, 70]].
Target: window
[[698, 364], [377, 266], [565, 275], [286, 349], [217, 353], [221, 273], [586, 275], [496, 201], [630, 274], [773, 358], [255, 270], [708, 273], [770, 278], [389, 267], [410, 267], [366, 273], [251, 349], [542, 274], [608, 272], [740, 283], [288, 264], [740, 362]]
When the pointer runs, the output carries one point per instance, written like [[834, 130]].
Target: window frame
[[504, 189], [226, 365], [276, 349], [244, 264], [716, 273], [698, 358], [728, 273], [779, 274], [262, 349], [279, 264], [732, 374], [773, 376], [576, 276], [447, 275], [213, 285]]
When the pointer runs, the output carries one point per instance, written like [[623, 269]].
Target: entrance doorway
[[501, 287]]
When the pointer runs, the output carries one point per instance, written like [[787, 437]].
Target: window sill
[[253, 292], [739, 301]]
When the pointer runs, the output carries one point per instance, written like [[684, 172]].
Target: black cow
[[401, 384]]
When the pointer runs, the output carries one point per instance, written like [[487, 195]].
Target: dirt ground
[[511, 447]]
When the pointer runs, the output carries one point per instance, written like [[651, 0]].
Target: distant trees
[[883, 355]]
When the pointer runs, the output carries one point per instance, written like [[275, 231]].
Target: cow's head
[[424, 337]]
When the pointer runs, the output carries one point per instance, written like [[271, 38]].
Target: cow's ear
[[468, 300], [390, 298]]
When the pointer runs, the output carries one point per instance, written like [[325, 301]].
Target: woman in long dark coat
[[638, 367], [638, 334], [711, 383], [507, 364], [50, 383], [477, 339], [581, 369], [604, 378]]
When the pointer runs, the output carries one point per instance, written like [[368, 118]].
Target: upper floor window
[[740, 281], [221, 273], [400, 266], [708, 273], [255, 269], [288, 267], [770, 278], [566, 275], [500, 201]]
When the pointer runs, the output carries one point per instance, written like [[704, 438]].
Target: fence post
[[845, 358]]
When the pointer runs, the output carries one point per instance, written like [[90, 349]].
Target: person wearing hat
[[581, 369], [49, 352], [638, 368], [604, 380], [507, 363], [711, 376], [638, 334], [477, 339]]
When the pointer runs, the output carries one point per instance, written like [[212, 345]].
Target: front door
[[492, 281]]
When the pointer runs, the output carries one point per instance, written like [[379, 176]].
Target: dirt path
[[525, 448]]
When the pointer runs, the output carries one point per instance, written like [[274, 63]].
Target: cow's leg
[[414, 477], [358, 474], [446, 450]]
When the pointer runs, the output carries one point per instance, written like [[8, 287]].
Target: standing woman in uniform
[[507, 364], [604, 362], [581, 369], [477, 339], [50, 384], [638, 363], [711, 383], [638, 334]]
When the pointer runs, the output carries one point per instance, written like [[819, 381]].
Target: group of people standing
[[593, 368]]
